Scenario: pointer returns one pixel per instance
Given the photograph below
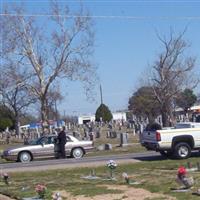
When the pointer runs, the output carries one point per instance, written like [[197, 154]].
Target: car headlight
[[6, 153]]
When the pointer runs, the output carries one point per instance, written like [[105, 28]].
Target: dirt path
[[127, 193], [3, 197]]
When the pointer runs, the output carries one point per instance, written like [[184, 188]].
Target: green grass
[[155, 176], [135, 148]]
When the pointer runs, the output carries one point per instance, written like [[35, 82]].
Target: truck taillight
[[158, 137]]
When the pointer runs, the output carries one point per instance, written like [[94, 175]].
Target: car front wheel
[[77, 153], [24, 157]]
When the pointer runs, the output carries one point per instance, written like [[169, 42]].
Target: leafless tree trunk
[[14, 92], [54, 97], [62, 48], [171, 73]]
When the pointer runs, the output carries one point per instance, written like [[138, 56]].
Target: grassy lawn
[[134, 148], [155, 176]]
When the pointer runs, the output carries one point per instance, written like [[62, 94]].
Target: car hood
[[19, 147]]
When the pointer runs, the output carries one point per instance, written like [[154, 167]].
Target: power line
[[113, 1], [105, 16]]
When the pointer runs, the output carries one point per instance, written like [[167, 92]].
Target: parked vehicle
[[44, 148], [178, 141]]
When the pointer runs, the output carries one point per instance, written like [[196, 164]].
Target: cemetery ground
[[155, 180], [132, 147]]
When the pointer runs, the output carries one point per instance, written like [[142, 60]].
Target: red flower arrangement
[[183, 179], [182, 171], [41, 190]]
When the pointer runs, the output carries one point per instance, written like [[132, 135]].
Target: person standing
[[62, 139]]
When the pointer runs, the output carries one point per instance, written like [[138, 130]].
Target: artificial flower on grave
[[56, 196], [41, 190], [111, 164], [182, 178], [126, 177], [5, 178], [181, 171]]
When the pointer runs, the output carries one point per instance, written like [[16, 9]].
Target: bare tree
[[62, 48], [54, 97], [14, 91], [171, 73]]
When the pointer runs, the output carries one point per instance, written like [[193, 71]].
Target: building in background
[[117, 116], [192, 115], [84, 119]]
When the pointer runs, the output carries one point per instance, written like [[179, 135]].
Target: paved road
[[60, 163]]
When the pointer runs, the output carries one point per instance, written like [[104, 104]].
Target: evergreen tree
[[6, 118], [103, 113], [186, 99], [143, 103]]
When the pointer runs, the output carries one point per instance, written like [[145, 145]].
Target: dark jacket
[[62, 138]]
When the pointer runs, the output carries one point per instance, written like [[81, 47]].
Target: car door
[[69, 145], [45, 147]]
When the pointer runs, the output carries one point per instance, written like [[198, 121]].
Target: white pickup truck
[[178, 141]]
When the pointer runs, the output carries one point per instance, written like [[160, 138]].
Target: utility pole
[[56, 110], [101, 95]]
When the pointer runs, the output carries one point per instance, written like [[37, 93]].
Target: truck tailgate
[[148, 136]]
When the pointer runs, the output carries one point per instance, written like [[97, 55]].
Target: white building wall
[[119, 116], [83, 118]]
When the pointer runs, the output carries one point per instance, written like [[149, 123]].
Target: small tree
[[103, 113], [186, 99], [14, 91], [143, 103], [6, 118], [4, 123]]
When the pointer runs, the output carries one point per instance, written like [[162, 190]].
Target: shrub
[[103, 113], [4, 123]]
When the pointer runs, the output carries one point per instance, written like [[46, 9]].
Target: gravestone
[[97, 135], [123, 139], [113, 134], [133, 131], [108, 134], [76, 134], [198, 166], [91, 136], [92, 175], [104, 147], [108, 146], [101, 147], [86, 134]]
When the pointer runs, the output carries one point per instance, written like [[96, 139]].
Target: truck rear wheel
[[182, 150]]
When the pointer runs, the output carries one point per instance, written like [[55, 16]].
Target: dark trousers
[[62, 150]]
